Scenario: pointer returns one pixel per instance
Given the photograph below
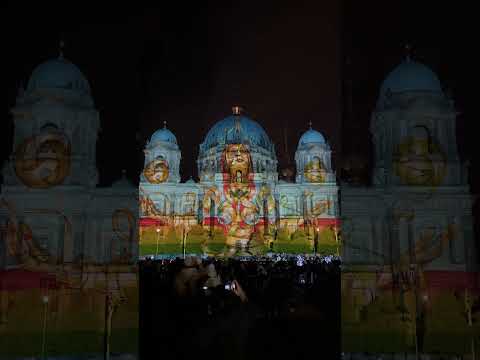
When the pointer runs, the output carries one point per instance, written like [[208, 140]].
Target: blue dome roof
[[411, 76], [58, 74], [311, 137], [163, 135], [237, 129]]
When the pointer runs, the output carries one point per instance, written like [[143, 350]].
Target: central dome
[[238, 129]]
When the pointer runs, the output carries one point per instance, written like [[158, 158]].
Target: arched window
[[49, 127]]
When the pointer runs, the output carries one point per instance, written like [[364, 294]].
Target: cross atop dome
[[310, 124], [164, 124], [237, 110], [61, 46], [408, 51]]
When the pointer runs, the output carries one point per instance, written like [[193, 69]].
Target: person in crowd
[[187, 279], [226, 333], [213, 279], [208, 307]]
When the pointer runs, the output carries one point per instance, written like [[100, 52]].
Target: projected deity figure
[[419, 160], [314, 171], [238, 209], [238, 163]]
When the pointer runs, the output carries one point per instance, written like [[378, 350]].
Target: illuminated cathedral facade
[[51, 210], [419, 195], [68, 248], [418, 209], [238, 205]]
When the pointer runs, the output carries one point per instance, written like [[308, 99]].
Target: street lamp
[[45, 299], [468, 310], [158, 236], [335, 231], [184, 236]]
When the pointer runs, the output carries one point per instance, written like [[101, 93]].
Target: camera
[[230, 286]]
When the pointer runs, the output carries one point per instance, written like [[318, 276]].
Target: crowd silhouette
[[253, 308]]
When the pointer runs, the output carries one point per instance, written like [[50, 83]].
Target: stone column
[[200, 208], [456, 240], [277, 211], [375, 238], [68, 239], [393, 244], [470, 248], [403, 240], [265, 216]]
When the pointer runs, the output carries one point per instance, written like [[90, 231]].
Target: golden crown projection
[[43, 161], [157, 171]]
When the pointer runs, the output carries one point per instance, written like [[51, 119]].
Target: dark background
[[286, 63], [187, 65]]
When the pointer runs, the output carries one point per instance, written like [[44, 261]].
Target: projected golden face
[[237, 159], [419, 161], [157, 171], [43, 161], [314, 171]]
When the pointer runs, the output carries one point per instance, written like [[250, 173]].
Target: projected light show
[[239, 207]]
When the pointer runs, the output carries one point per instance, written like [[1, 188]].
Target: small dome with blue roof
[[313, 158], [163, 135], [311, 137]]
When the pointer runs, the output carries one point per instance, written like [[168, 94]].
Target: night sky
[[286, 65]]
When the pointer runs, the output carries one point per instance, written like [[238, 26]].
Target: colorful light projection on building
[[237, 215], [43, 161], [419, 160], [402, 305], [315, 171], [157, 171]]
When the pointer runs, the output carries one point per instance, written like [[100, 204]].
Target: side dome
[[237, 129], [411, 76], [58, 74], [311, 137], [164, 135]]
